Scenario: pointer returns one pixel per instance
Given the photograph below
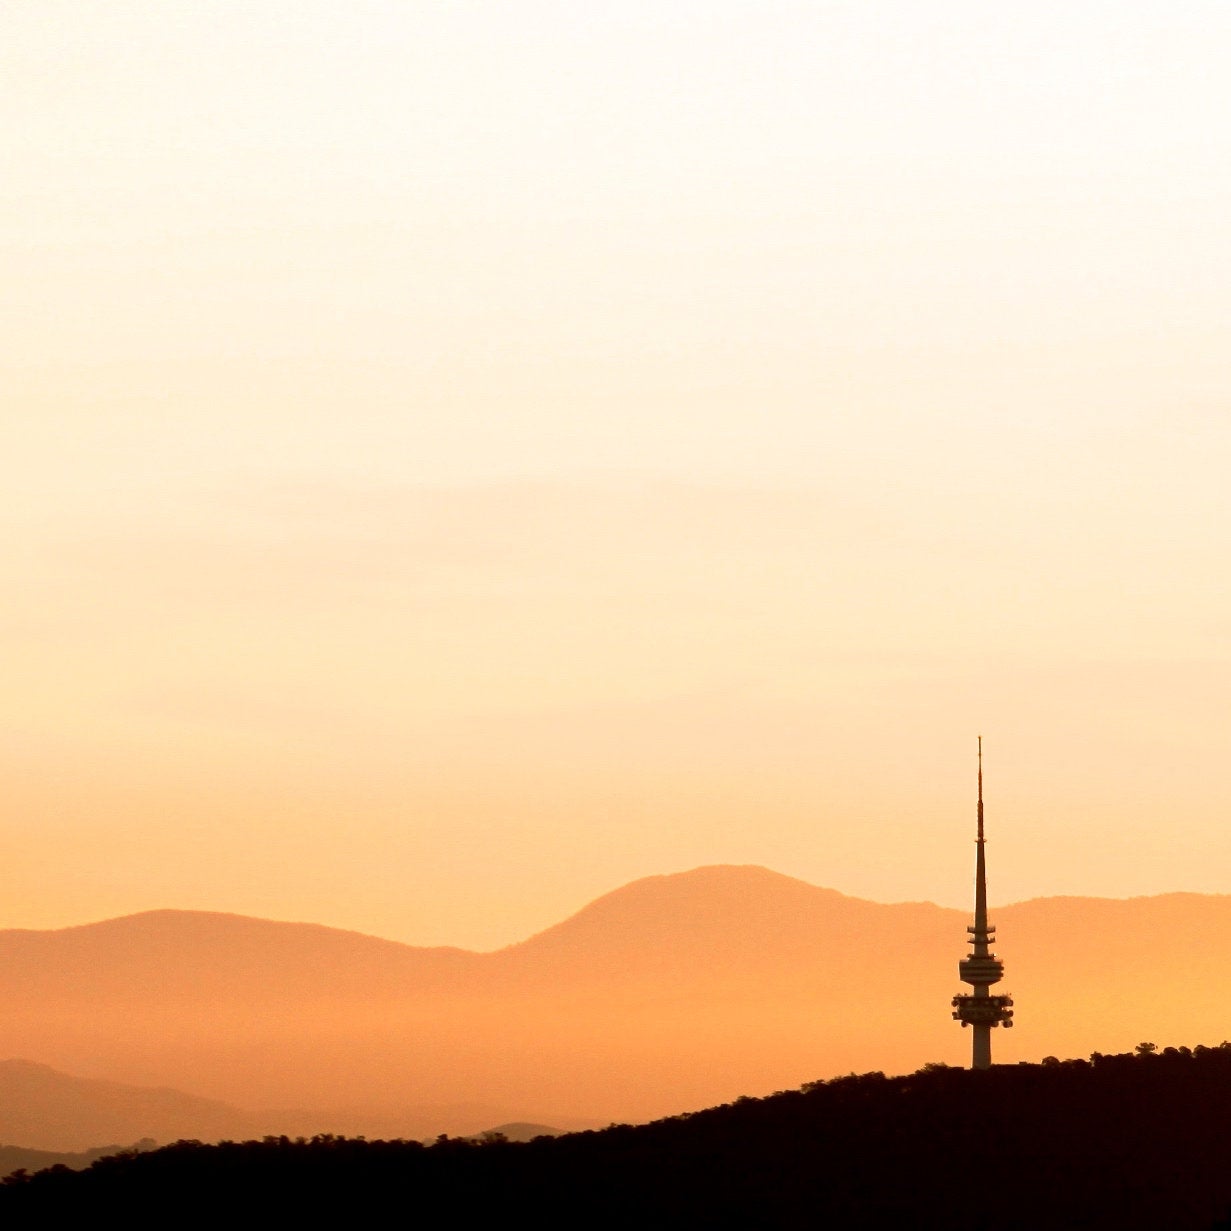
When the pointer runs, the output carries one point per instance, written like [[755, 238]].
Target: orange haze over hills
[[671, 993]]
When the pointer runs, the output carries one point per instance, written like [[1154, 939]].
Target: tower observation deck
[[981, 968]]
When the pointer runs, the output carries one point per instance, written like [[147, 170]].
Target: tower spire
[[981, 968], [980, 930], [980, 838]]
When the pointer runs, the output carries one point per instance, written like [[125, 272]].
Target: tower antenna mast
[[981, 968]]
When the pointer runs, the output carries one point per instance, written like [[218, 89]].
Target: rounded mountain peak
[[717, 904]]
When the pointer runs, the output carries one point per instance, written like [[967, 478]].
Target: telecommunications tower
[[982, 967]]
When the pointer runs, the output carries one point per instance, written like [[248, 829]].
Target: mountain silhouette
[[1130, 1142], [670, 993]]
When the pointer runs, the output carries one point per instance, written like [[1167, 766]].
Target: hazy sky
[[460, 457]]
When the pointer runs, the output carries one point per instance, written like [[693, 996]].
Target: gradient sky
[[461, 457]]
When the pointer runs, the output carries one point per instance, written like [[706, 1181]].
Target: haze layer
[[670, 994]]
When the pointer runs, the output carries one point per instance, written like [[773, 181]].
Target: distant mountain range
[[43, 1107], [18, 1158], [59, 1112], [674, 992]]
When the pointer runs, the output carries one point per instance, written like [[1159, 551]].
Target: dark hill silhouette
[[672, 992], [1130, 1142]]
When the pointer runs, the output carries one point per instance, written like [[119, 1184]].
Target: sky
[[462, 457]]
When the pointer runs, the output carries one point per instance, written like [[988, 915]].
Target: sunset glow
[[461, 458]]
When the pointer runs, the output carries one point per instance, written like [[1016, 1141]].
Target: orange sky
[[462, 457]]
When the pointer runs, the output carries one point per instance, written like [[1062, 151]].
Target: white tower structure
[[982, 967]]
